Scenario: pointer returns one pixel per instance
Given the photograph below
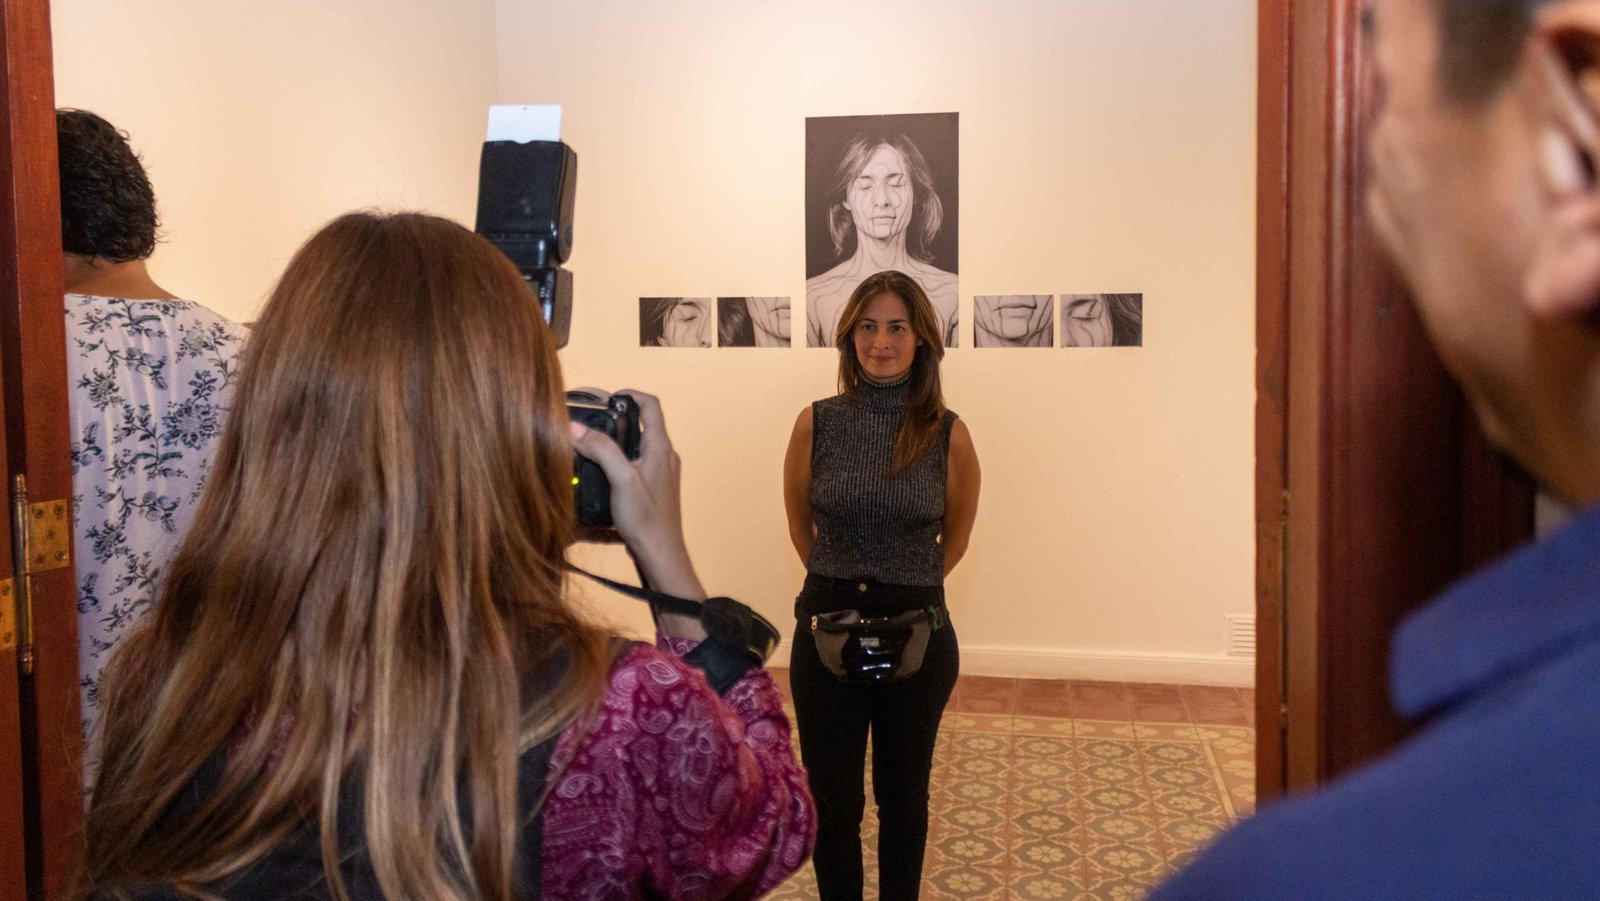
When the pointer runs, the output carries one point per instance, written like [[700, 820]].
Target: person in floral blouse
[[149, 378]]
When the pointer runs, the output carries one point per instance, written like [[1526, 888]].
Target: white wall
[[259, 122], [1105, 147]]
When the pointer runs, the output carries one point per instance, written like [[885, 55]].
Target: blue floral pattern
[[150, 382]]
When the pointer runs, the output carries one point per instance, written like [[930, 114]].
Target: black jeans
[[833, 718]]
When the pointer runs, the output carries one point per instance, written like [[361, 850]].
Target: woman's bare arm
[[797, 486], [962, 481]]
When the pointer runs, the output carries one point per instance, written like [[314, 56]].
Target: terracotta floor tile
[[986, 687], [1221, 716], [970, 704], [1102, 710], [1155, 694], [1044, 688], [1161, 713], [1061, 707], [1211, 696], [1100, 692]]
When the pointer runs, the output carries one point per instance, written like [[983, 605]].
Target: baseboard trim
[[1052, 663]]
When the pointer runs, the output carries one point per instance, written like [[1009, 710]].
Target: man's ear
[[1566, 56], [1563, 276]]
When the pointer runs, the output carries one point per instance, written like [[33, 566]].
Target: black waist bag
[[867, 650]]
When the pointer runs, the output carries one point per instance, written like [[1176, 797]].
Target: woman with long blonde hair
[[881, 490], [364, 664]]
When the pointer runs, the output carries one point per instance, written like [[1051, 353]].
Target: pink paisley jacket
[[674, 792]]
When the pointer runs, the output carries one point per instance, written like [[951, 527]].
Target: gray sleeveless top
[[872, 525]]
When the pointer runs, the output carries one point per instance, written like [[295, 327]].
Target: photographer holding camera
[[364, 677]]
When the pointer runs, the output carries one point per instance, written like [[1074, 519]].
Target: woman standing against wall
[[881, 488]]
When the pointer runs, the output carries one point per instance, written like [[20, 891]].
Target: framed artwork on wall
[[881, 193]]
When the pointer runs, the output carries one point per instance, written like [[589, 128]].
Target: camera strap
[[738, 639], [666, 603]]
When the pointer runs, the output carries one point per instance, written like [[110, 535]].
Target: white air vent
[[1241, 635]]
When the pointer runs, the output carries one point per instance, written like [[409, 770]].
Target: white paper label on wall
[[524, 123]]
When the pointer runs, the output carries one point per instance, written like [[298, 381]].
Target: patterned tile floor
[[1047, 790]]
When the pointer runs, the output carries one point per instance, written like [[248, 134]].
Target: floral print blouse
[[149, 382]]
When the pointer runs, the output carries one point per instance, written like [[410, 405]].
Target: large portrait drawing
[[880, 194]]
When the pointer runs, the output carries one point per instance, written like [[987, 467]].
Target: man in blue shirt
[[1484, 160]]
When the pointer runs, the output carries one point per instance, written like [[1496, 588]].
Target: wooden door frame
[[33, 334], [13, 829], [1272, 355], [1374, 486]]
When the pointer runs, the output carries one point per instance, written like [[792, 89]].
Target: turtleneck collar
[[887, 396], [901, 379]]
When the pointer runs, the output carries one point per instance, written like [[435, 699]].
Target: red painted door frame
[[47, 736]]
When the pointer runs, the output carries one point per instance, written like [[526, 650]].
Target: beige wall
[[258, 122], [1105, 147]]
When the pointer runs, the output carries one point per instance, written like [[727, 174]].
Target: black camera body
[[615, 415]]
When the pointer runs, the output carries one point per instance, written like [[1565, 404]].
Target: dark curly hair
[[107, 207]]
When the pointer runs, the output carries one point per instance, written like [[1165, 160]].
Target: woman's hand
[[645, 507]]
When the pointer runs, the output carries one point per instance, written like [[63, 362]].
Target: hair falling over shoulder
[[373, 586], [925, 408]]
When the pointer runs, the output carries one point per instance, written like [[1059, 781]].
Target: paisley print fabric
[[671, 792], [149, 382]]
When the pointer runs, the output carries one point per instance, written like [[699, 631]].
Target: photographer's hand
[[645, 507]]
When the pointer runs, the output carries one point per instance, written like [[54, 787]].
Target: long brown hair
[[373, 586], [927, 211], [925, 409]]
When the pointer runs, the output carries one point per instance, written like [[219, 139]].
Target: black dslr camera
[[616, 415], [526, 194]]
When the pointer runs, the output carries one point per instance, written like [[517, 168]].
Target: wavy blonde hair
[[373, 586]]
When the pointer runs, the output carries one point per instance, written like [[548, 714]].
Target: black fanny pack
[[870, 649]]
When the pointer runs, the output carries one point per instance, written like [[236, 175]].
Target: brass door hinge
[[40, 536], [46, 532]]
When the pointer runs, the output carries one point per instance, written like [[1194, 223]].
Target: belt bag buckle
[[871, 650]]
